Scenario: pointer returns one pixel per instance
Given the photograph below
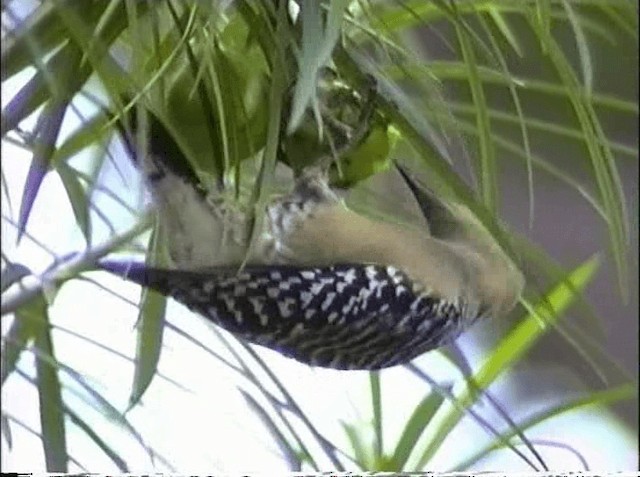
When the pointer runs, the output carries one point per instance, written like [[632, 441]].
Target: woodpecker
[[322, 284]]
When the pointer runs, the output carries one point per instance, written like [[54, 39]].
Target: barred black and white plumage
[[348, 316], [323, 284]]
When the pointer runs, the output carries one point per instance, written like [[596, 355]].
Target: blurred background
[[564, 224]]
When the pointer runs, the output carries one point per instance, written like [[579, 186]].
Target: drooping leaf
[[315, 51], [77, 198], [18, 337], [417, 422], [99, 441], [504, 355], [150, 329], [47, 132], [601, 398], [52, 422]]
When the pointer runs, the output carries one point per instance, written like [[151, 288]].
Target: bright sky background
[[209, 428]]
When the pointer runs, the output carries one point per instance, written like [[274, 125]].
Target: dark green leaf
[[20, 334], [54, 440], [505, 29], [77, 198]]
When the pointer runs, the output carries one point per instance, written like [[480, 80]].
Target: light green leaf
[[315, 51], [505, 29], [150, 329], [503, 356], [417, 422], [598, 398]]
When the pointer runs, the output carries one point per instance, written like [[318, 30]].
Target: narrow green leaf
[[376, 404], [541, 125], [91, 396], [504, 355], [625, 21], [227, 123], [150, 332], [5, 191], [540, 163], [363, 457], [47, 132], [600, 398], [31, 38], [315, 51], [488, 173], [583, 47], [543, 18], [505, 29], [455, 70], [511, 349], [150, 329], [95, 47], [602, 160], [269, 157], [417, 422], [104, 447], [547, 167], [89, 133], [309, 63], [96, 400], [37, 90], [14, 342], [40, 33], [32, 431], [333, 27], [502, 61], [413, 13], [77, 198], [54, 440]]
